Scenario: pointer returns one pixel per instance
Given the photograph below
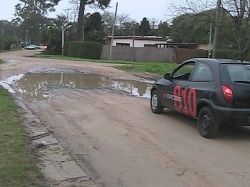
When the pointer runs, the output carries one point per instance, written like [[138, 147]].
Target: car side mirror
[[167, 76]]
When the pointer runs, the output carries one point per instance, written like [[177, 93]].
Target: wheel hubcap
[[206, 122], [154, 102]]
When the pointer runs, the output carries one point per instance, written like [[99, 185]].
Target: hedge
[[227, 53], [88, 50], [230, 54]]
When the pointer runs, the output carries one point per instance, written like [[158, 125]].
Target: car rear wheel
[[207, 124], [155, 103]]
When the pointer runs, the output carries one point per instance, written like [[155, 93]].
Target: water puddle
[[39, 85]]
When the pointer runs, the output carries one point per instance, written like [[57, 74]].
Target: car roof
[[216, 61]]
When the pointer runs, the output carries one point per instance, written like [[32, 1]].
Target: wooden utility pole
[[3, 33], [133, 43], [210, 41], [113, 31], [216, 31]]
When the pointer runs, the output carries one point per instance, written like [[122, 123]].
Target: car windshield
[[236, 72]]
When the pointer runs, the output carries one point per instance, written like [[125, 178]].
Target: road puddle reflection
[[39, 85]]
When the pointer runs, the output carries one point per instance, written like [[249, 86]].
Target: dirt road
[[116, 139]]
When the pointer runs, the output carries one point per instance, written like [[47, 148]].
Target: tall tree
[[81, 15], [144, 27], [31, 14]]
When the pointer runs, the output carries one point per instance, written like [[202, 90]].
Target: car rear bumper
[[232, 116]]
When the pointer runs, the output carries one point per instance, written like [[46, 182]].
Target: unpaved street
[[118, 141]]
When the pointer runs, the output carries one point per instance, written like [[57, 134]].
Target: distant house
[[152, 41], [139, 41]]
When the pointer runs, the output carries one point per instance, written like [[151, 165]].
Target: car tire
[[155, 103], [207, 124]]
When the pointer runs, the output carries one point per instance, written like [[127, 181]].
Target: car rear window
[[235, 72]]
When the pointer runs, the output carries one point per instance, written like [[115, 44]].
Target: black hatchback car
[[214, 91]]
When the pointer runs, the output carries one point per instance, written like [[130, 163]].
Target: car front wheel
[[155, 103], [207, 124]]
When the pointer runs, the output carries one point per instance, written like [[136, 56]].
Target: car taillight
[[228, 94]]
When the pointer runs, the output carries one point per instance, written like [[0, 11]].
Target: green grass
[[155, 68], [1, 61], [59, 57], [17, 165], [9, 50], [150, 67]]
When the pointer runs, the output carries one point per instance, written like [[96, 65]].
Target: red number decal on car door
[[188, 102], [192, 102], [177, 104], [184, 101]]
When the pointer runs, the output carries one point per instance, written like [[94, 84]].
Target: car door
[[202, 87], [175, 96]]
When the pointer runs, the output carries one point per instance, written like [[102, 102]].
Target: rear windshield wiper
[[248, 82]]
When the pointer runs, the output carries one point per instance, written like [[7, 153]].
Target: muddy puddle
[[40, 85]]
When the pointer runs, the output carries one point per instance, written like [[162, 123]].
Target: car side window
[[184, 72], [202, 73]]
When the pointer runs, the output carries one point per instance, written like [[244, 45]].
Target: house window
[[123, 44]]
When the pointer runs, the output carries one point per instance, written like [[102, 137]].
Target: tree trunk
[[80, 26]]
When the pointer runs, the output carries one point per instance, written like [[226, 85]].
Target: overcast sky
[[137, 9]]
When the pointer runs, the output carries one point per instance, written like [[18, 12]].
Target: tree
[[144, 27], [31, 15], [123, 27], [163, 29], [189, 28], [237, 13], [194, 28], [108, 19], [52, 36], [8, 34], [94, 27], [81, 15]]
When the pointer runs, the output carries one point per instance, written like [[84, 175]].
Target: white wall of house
[[138, 43]]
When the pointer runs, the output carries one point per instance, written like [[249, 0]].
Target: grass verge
[[17, 165], [150, 67], [59, 57], [1, 61], [10, 50], [155, 68]]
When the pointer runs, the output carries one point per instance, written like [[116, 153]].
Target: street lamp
[[133, 43], [65, 26]]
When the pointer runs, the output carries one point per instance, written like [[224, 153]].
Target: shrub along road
[[117, 140]]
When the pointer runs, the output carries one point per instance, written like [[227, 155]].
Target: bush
[[227, 53], [54, 45], [231, 54], [54, 48], [89, 50], [7, 43]]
